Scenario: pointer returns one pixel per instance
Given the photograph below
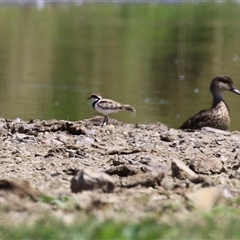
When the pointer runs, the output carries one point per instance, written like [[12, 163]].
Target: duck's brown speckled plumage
[[218, 116]]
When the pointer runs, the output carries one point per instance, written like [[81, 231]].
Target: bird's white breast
[[105, 111]]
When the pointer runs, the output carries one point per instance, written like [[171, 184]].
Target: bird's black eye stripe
[[95, 96]]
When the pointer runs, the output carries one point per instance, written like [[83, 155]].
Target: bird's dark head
[[221, 83], [95, 97]]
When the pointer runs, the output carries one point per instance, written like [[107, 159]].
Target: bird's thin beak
[[235, 90], [89, 98]]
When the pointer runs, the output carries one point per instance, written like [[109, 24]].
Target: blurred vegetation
[[221, 223]]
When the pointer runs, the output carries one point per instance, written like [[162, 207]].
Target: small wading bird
[[218, 115], [107, 106]]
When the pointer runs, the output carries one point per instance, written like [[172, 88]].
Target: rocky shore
[[120, 170]]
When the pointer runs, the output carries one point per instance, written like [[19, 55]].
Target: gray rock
[[149, 179], [206, 165], [20, 187], [182, 171], [167, 182], [227, 193], [88, 179], [123, 170], [214, 130]]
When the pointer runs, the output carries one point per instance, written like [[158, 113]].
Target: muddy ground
[[121, 170]]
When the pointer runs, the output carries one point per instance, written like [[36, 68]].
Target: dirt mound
[[148, 166]]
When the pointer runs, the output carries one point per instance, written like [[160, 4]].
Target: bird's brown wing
[[201, 119], [109, 104]]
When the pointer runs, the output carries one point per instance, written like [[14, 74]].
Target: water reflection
[[158, 58]]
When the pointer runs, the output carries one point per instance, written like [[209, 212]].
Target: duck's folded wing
[[201, 119]]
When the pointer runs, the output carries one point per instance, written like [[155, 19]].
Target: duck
[[218, 116]]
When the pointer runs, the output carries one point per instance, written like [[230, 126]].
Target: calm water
[[160, 58]]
